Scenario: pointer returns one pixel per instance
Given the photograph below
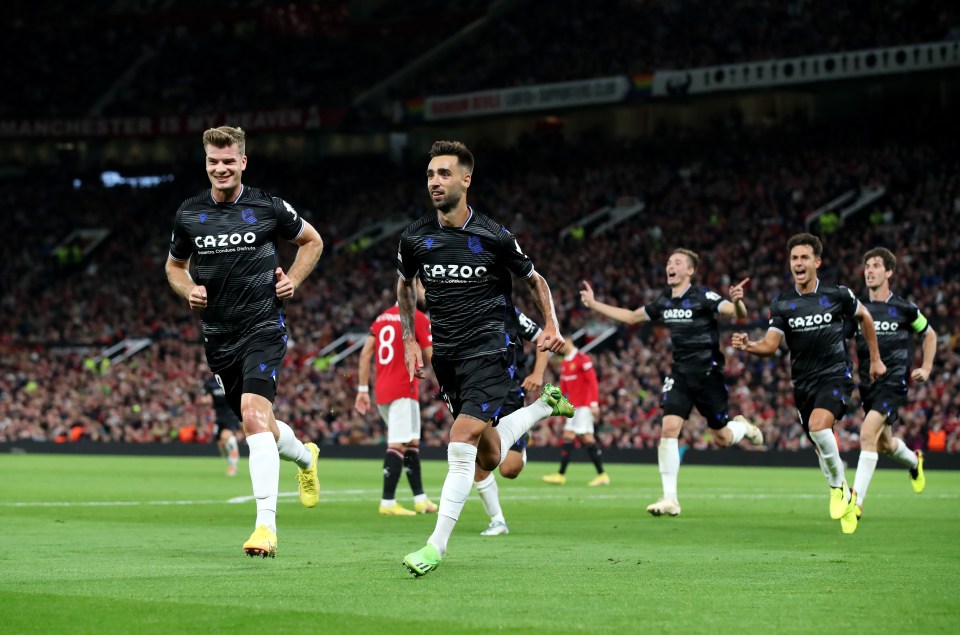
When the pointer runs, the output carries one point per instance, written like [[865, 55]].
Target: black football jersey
[[694, 331], [233, 247], [895, 320], [813, 326], [467, 274]]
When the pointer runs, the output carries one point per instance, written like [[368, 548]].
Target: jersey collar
[[689, 286], [815, 289], [465, 223], [239, 194]]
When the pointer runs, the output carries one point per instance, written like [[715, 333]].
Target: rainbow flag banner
[[642, 85]]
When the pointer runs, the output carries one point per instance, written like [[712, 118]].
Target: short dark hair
[[806, 239], [224, 137], [689, 253], [453, 148], [884, 254]]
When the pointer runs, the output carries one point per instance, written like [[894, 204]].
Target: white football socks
[[668, 456], [232, 451], [904, 455], [291, 448], [518, 423], [265, 476], [490, 496], [738, 429], [461, 458], [866, 465], [832, 465]]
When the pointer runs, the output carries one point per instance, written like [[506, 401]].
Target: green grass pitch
[[152, 545]]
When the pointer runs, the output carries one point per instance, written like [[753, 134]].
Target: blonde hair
[[224, 137]]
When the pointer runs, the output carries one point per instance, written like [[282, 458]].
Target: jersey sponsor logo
[[248, 216], [461, 272], [678, 314], [225, 240], [884, 326], [806, 321]]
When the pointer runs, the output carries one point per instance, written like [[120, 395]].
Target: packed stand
[[569, 40], [327, 54], [752, 190]]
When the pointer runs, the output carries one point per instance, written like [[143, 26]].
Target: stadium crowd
[[332, 52], [732, 195]]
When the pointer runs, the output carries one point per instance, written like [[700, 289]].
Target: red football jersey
[[578, 380], [393, 380]]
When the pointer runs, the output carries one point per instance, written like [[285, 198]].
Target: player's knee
[[254, 421], [510, 470], [486, 463]]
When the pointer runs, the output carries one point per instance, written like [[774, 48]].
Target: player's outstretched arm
[[613, 312], [407, 300], [762, 348], [362, 402], [550, 339], [877, 368]]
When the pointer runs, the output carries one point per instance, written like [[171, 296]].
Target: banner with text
[[287, 119], [808, 69], [603, 90]]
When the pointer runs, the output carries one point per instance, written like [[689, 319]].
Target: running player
[[896, 321], [810, 317], [696, 376], [466, 261], [229, 233]]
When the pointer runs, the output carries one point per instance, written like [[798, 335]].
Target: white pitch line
[[518, 494]]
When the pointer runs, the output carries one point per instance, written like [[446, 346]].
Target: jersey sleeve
[[713, 300], [407, 264], [848, 302], [421, 325], [180, 247], [289, 223], [654, 310], [517, 262], [529, 330], [777, 321]]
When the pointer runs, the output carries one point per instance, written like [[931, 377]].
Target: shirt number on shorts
[[667, 384]]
